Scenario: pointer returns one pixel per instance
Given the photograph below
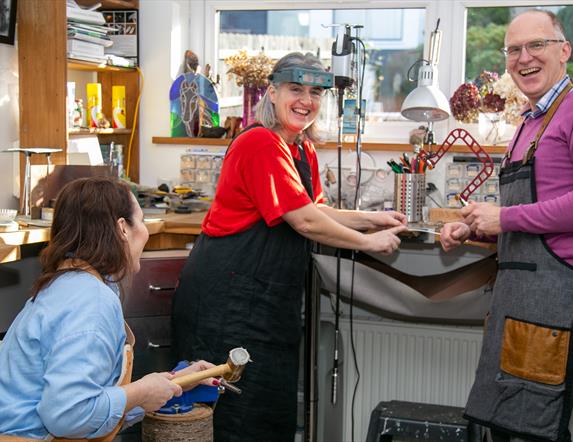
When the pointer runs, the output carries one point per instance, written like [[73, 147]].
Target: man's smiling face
[[534, 75]]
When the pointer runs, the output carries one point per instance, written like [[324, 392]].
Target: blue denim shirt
[[65, 357]]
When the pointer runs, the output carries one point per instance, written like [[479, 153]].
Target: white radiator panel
[[409, 362]]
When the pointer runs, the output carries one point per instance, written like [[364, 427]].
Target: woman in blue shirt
[[68, 374]]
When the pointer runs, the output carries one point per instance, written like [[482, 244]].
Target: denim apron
[[523, 381], [246, 290]]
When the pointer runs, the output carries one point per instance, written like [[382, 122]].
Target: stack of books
[[87, 33]]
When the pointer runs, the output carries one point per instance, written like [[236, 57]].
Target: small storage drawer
[[152, 344], [153, 287]]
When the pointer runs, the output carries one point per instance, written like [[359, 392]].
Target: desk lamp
[[427, 103], [26, 206]]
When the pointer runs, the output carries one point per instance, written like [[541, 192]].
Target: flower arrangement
[[488, 93], [250, 71]]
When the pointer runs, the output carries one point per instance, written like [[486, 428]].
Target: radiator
[[409, 362]]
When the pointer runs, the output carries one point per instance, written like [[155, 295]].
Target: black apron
[[245, 290], [525, 373]]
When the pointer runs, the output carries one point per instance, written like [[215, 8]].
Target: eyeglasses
[[533, 48]]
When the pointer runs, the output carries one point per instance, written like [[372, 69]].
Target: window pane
[[486, 31], [394, 40]]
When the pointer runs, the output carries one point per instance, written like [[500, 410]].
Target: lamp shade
[[427, 102]]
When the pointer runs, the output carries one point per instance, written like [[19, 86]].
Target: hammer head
[[238, 358]]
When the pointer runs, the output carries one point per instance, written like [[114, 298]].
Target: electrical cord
[[353, 347], [359, 128], [356, 199]]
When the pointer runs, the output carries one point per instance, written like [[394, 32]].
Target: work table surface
[[170, 230], [166, 231]]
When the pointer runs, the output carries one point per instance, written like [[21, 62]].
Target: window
[[394, 40], [486, 28]]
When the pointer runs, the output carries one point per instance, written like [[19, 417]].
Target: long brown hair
[[85, 228]]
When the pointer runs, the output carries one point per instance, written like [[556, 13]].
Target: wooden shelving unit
[[43, 72]]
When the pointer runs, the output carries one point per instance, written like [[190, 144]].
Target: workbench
[[170, 231]]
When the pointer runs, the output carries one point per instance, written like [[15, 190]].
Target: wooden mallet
[[231, 370]]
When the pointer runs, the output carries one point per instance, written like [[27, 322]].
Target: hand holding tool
[[230, 370]]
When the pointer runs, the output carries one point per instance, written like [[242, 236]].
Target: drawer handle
[[153, 345], [155, 288]]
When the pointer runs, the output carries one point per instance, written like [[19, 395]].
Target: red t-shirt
[[259, 181]]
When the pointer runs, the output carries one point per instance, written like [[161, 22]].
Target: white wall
[[164, 33], [9, 122]]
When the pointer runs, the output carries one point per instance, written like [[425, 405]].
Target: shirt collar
[[547, 100]]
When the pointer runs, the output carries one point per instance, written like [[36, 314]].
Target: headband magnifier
[[307, 77]]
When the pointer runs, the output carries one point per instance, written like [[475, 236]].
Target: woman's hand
[[385, 241], [193, 368], [152, 391], [453, 235], [386, 219]]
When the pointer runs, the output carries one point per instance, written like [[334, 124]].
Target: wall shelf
[[97, 131], [82, 65], [388, 147]]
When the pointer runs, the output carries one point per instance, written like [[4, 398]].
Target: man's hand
[[453, 235], [483, 218]]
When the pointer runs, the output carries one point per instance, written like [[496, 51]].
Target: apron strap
[[124, 378], [8, 438], [546, 120], [533, 145]]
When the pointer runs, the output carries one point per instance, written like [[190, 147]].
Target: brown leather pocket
[[534, 352]]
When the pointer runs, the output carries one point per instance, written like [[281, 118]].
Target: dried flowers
[[514, 99], [250, 70], [487, 93]]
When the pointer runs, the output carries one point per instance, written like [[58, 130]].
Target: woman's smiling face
[[296, 107]]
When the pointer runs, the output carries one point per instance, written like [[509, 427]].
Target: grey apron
[[246, 290], [523, 380]]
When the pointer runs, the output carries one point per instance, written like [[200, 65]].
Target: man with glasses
[[524, 381]]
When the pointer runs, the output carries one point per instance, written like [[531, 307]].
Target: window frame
[[453, 20]]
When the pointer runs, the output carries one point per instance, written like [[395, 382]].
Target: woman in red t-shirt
[[243, 282]]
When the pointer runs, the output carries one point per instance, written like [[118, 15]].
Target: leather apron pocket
[[531, 380], [535, 352]]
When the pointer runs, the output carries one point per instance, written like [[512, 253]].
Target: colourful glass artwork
[[193, 104]]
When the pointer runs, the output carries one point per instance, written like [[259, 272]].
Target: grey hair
[[265, 111]]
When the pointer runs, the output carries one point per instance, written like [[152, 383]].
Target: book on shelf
[[87, 57], [77, 14], [103, 41], [97, 30], [85, 47]]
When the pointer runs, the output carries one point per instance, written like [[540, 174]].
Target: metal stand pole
[[311, 343], [27, 206]]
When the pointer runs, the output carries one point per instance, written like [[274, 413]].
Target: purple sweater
[[552, 215]]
